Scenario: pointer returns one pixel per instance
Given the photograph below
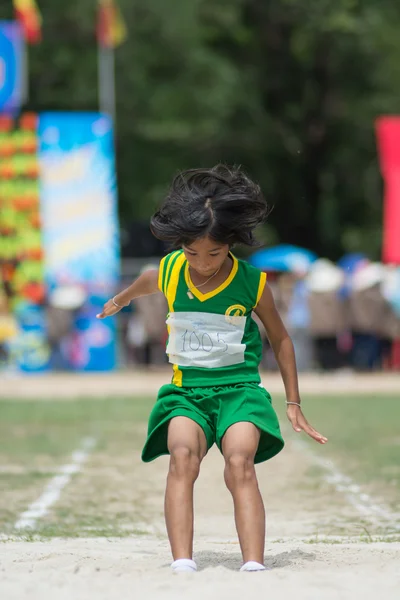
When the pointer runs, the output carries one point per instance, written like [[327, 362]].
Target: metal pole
[[106, 76]]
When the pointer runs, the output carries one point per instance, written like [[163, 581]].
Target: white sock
[[184, 564], [252, 565]]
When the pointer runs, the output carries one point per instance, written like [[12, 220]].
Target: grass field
[[364, 439], [113, 495]]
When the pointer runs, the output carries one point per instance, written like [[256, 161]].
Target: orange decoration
[[28, 121], [29, 146], [7, 170], [19, 203], [6, 123], [7, 148], [34, 254], [34, 291]]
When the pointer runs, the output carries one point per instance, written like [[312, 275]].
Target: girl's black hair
[[221, 203]]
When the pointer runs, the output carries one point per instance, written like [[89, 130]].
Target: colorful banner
[[11, 66], [80, 226], [388, 133], [22, 293]]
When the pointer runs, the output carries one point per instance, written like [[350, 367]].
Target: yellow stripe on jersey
[[172, 285], [177, 378], [261, 286], [161, 273], [170, 264]]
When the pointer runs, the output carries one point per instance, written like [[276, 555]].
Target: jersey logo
[[236, 310]]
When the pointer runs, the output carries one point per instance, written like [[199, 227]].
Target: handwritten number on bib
[[220, 339], [210, 345], [193, 341], [205, 340]]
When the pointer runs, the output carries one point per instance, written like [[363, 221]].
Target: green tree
[[287, 88]]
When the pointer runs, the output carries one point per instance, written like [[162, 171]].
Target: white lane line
[[51, 494], [353, 493]]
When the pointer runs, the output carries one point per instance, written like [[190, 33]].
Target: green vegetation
[[53, 429], [290, 89], [115, 496], [36, 438], [364, 438]]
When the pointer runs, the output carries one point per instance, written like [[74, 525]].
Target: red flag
[[388, 132], [111, 28], [28, 14]]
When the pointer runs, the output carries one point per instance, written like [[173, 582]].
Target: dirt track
[[300, 505], [64, 385], [138, 568]]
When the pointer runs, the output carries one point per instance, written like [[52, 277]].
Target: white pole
[[106, 77]]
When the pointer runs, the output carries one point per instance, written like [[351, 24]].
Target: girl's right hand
[[109, 309]]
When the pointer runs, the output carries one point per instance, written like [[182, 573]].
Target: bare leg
[[187, 446], [239, 446]]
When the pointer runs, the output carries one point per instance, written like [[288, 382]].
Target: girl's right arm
[[144, 285]]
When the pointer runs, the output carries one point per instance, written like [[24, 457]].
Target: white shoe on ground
[[252, 565], [184, 565]]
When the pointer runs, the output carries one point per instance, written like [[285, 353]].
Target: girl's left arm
[[284, 352]]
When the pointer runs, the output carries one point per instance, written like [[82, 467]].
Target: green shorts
[[215, 409]]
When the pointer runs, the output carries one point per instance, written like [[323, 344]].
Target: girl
[[214, 345]]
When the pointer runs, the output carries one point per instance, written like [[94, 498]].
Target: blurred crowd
[[338, 318]]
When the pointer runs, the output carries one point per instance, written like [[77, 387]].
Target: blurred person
[[327, 313], [367, 313], [135, 338], [292, 304], [61, 309], [146, 327], [215, 347], [282, 293], [391, 287], [390, 330]]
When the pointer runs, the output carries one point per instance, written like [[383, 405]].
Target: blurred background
[[102, 102]]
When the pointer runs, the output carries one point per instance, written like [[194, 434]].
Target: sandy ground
[[299, 508], [138, 568]]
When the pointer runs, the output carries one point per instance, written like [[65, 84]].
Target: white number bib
[[208, 340]]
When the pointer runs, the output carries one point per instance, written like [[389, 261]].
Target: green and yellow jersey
[[213, 339]]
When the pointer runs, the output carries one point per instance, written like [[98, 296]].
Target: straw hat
[[367, 276], [325, 276], [391, 282], [68, 297]]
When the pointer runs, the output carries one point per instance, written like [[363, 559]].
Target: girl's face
[[206, 256]]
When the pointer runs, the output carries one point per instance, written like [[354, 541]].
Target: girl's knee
[[239, 469], [184, 463]]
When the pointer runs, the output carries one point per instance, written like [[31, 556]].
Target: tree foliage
[[290, 89]]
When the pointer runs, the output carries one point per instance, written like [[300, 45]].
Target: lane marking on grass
[[353, 493], [52, 493]]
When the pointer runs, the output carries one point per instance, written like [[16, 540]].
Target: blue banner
[[80, 229], [11, 66]]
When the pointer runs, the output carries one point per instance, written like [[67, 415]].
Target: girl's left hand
[[300, 423]]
